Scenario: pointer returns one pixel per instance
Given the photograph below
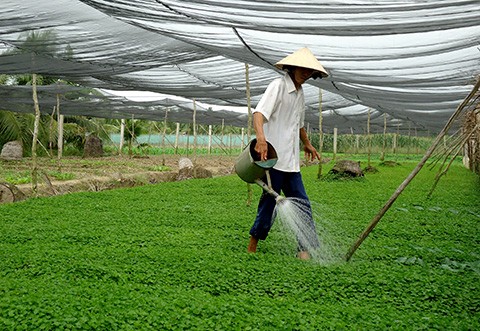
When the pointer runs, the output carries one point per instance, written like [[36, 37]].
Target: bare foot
[[252, 245], [303, 255]]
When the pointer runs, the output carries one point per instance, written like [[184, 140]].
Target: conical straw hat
[[303, 58]]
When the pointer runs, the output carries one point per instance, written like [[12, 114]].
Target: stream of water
[[292, 215]]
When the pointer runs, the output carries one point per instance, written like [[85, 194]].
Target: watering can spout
[[278, 197]]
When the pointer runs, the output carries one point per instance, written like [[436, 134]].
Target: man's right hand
[[261, 148]]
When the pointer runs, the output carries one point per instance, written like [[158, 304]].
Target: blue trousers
[[291, 184]]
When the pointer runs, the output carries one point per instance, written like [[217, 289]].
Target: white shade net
[[407, 62]]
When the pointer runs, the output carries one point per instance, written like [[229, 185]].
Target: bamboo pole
[[249, 104], [132, 136], [188, 140], [36, 125], [60, 121], [222, 131], [452, 159], [209, 139], [50, 134], [249, 126], [357, 143], [194, 130], [177, 135], [409, 138], [369, 139], [394, 143], [60, 137], [243, 138], [164, 132], [412, 175], [384, 146], [122, 135], [335, 139], [320, 134]]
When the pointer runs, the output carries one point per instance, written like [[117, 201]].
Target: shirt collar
[[290, 85]]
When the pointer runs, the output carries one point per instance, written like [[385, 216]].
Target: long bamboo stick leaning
[[249, 126], [415, 171]]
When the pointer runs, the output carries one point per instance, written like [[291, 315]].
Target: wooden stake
[[164, 132], [50, 134], [194, 130], [122, 135], [60, 120], [369, 139], [36, 125], [335, 133], [209, 139], [249, 126], [320, 134], [249, 105], [177, 134], [382, 157]]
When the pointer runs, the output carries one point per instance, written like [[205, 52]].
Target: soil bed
[[96, 174]]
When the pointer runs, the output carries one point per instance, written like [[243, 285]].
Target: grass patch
[[172, 256], [19, 177]]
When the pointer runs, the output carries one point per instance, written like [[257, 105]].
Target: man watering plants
[[279, 119]]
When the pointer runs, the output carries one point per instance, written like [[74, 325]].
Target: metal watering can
[[251, 169]]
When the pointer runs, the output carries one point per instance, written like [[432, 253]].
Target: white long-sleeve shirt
[[283, 110]]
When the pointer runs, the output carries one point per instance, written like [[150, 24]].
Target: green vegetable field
[[172, 256]]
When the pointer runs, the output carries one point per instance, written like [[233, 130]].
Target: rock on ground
[[13, 150], [93, 147], [347, 168]]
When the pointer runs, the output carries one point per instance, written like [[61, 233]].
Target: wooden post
[[132, 136], [243, 138], [416, 141], [163, 135], [222, 130], [194, 130], [36, 125], [369, 139], [335, 131], [357, 143], [409, 139], [50, 133], [249, 126], [60, 120], [249, 105], [122, 135], [412, 175], [320, 134], [382, 157], [209, 139], [394, 143], [177, 134]]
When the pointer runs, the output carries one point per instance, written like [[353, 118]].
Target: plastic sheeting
[[411, 62]]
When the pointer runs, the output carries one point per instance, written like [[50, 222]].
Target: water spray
[[291, 212]]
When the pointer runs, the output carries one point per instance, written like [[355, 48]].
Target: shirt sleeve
[[267, 104]]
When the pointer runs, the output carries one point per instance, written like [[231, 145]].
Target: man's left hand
[[311, 153]]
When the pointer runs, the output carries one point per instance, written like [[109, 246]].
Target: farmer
[[279, 119]]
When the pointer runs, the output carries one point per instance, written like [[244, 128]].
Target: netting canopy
[[409, 63]]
